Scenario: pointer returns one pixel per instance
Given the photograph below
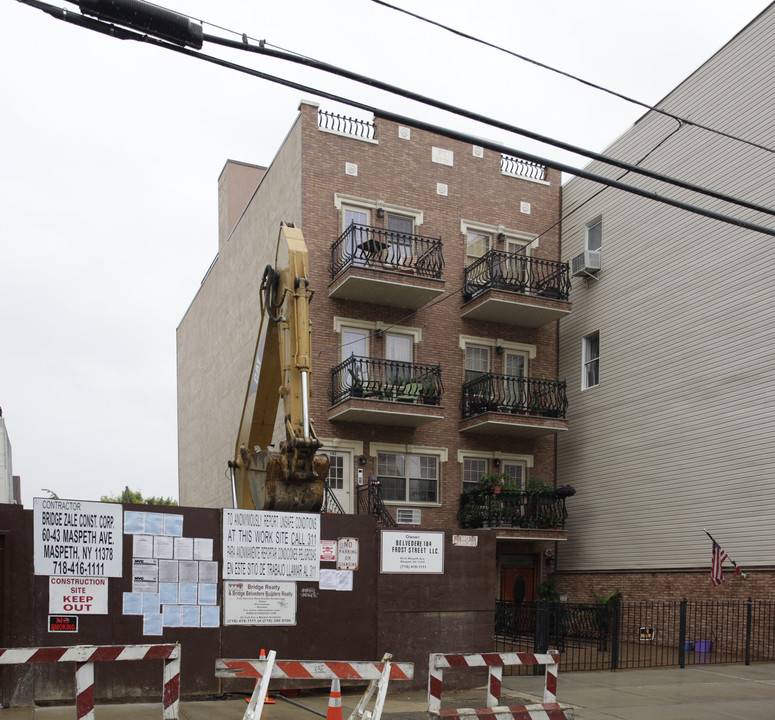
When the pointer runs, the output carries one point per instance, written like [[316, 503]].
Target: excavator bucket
[[271, 488]]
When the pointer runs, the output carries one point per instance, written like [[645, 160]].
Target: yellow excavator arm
[[292, 479]]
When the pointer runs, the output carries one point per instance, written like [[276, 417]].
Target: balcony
[[516, 289], [385, 392], [481, 508], [384, 267], [510, 405]]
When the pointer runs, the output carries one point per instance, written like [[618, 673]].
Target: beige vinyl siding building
[[216, 338], [678, 434]]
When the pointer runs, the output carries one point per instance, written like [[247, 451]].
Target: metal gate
[[639, 635]]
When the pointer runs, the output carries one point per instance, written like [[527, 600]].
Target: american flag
[[716, 571]]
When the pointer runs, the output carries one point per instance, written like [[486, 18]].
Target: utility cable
[[357, 77], [619, 95], [262, 49], [421, 125]]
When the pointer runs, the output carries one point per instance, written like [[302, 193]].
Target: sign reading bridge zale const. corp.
[[269, 545], [77, 538]]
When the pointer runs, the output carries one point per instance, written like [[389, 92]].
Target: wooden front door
[[518, 584]]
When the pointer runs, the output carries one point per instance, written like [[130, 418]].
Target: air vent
[[408, 516], [587, 263]]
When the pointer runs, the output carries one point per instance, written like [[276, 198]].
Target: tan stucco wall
[[216, 338]]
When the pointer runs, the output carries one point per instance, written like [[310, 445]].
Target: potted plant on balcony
[[494, 482]]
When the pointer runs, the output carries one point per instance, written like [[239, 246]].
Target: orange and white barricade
[[549, 709], [84, 657]]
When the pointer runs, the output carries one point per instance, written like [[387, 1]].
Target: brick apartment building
[[435, 328]]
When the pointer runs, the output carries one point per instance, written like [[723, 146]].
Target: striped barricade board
[[311, 669], [549, 709], [84, 657]]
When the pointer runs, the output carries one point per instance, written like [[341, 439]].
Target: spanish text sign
[[412, 552], [270, 545], [74, 537]]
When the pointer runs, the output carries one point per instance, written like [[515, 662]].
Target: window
[[473, 469], [407, 477], [399, 238], [594, 235], [477, 245], [400, 349], [591, 361], [477, 361], [514, 386], [335, 471], [355, 342], [516, 470], [356, 244]]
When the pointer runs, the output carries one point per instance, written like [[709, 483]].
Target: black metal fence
[[375, 247], [517, 272], [394, 380], [492, 392], [639, 635]]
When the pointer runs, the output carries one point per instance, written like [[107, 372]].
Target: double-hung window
[[400, 230], [590, 357], [477, 361], [398, 354], [594, 235], [406, 477]]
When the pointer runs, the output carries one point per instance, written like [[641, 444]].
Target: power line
[[419, 124], [619, 95], [402, 92], [261, 49]]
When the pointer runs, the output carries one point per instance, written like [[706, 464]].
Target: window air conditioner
[[586, 263], [408, 516]]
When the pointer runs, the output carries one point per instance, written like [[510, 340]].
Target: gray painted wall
[[678, 434]]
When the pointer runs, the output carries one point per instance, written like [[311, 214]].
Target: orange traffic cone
[[267, 699], [335, 702]]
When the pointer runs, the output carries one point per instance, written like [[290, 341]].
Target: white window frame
[[366, 204], [598, 221], [587, 361], [441, 455], [526, 461]]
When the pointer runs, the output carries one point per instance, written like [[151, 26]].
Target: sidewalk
[[707, 692], [710, 692]]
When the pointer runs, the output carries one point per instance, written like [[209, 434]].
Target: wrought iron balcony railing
[[517, 272], [367, 246], [484, 508], [345, 125], [491, 392], [512, 165], [377, 379]]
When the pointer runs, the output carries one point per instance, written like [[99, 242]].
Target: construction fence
[[639, 635]]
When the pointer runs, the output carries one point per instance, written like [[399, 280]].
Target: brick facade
[[401, 173]]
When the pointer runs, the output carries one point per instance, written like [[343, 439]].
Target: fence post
[[541, 639], [749, 612], [682, 635], [615, 636]]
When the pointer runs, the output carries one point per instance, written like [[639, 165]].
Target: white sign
[[270, 545], [81, 596], [347, 553], [465, 540], [259, 603], [328, 550], [72, 537], [412, 552]]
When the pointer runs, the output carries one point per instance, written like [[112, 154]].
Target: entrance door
[[340, 478], [518, 584]]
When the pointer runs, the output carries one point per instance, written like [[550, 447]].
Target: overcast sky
[[110, 153]]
